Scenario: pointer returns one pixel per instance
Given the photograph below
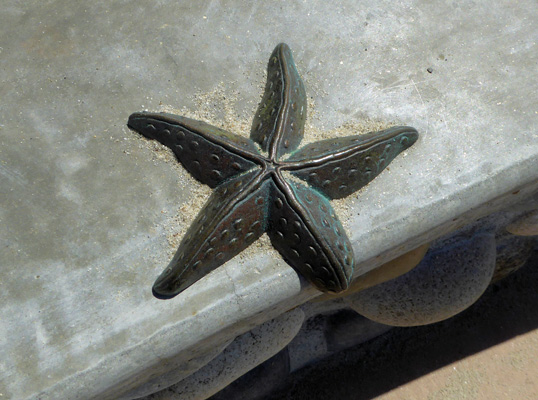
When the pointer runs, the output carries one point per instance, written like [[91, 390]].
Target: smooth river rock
[[512, 253], [245, 353], [527, 225], [445, 283], [324, 335]]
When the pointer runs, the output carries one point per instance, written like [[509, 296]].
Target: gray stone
[[183, 368], [347, 329], [445, 283], [512, 253], [324, 335], [526, 225], [90, 213], [260, 382], [245, 353]]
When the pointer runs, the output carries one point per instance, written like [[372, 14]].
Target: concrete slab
[[89, 211]]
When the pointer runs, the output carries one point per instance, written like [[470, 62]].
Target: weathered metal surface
[[252, 194]]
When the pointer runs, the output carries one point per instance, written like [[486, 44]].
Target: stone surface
[[246, 352], [323, 335], [526, 225], [332, 328], [479, 354], [258, 383], [445, 283], [182, 370], [86, 206], [512, 253]]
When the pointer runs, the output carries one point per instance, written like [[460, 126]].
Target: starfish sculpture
[[257, 192]]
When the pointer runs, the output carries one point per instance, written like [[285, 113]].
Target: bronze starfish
[[253, 190]]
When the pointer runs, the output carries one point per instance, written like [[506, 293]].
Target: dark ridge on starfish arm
[[233, 218], [341, 166], [278, 124], [318, 246], [212, 155]]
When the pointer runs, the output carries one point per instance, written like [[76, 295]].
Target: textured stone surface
[[324, 335], [526, 225], [87, 208], [258, 383], [246, 352], [183, 369], [321, 337], [512, 253], [446, 282], [475, 355]]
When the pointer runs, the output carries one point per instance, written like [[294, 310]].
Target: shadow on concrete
[[507, 309]]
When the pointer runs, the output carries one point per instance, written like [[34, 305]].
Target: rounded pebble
[[243, 354], [446, 282], [512, 253], [525, 226]]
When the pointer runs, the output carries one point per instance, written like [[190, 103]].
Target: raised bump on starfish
[[252, 195]]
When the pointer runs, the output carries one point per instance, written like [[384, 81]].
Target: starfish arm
[[212, 155], [233, 218], [339, 167], [279, 121], [304, 228]]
